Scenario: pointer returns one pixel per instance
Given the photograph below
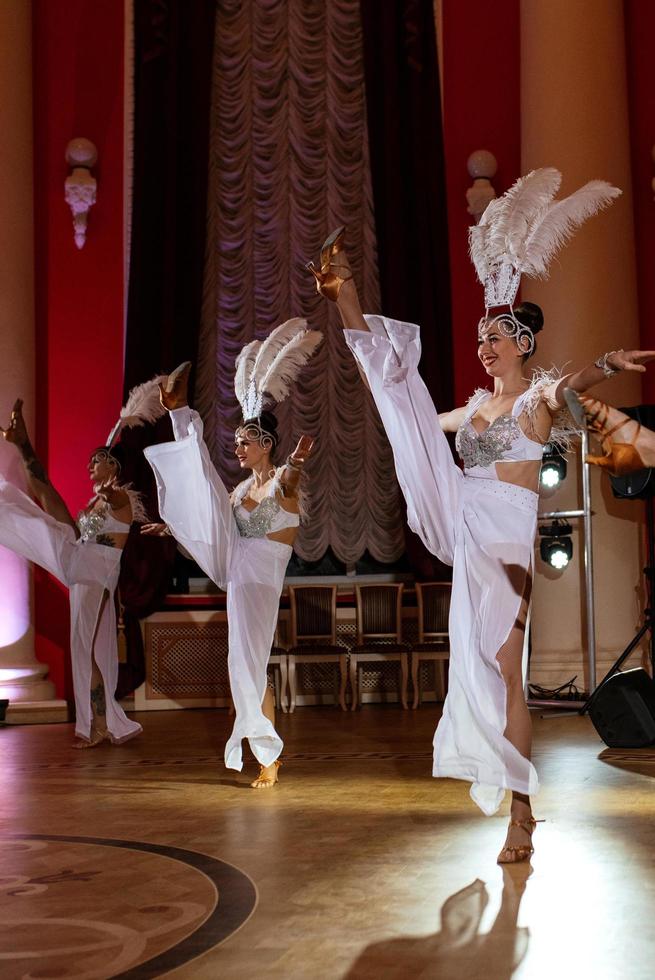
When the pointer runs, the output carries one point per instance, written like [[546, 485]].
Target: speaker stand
[[649, 620]]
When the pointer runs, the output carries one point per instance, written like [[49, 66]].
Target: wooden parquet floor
[[150, 859]]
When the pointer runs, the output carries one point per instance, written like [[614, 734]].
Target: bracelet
[[606, 368], [293, 466]]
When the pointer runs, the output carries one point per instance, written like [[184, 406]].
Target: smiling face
[[252, 453], [499, 354], [102, 467]]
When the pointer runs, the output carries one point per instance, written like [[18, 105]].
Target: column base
[[36, 712]]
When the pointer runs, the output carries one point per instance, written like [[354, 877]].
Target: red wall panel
[[481, 96], [78, 91]]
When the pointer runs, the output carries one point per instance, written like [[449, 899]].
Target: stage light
[[556, 546], [553, 467]]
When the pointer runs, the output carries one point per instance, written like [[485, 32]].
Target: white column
[[22, 678], [574, 116]]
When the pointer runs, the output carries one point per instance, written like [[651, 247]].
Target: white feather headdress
[[266, 369], [142, 405], [522, 231]]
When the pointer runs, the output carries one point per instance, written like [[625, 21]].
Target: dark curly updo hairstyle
[[112, 454], [530, 315], [266, 425]]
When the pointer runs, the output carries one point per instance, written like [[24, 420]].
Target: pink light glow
[[14, 571]]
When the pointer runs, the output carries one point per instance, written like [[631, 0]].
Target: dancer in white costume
[[84, 555], [482, 520], [242, 541]]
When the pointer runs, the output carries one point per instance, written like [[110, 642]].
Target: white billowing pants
[[485, 529], [91, 572], [196, 506]]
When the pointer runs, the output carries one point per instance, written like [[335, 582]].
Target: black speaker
[[623, 710], [639, 485]]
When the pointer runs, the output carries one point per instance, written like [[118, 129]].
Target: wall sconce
[[482, 166], [80, 185]]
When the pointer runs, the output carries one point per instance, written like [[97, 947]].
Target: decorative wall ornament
[[288, 162], [482, 166], [80, 186]]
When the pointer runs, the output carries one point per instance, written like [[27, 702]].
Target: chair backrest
[[379, 615], [313, 613], [433, 600]]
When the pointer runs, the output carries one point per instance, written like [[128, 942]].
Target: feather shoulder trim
[[564, 430]]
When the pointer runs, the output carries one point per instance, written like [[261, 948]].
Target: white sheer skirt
[[196, 506], [485, 529], [91, 572]]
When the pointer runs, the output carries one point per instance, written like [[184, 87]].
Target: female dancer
[[242, 541], [482, 520], [85, 555]]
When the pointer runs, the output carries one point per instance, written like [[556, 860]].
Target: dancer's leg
[[268, 775], [192, 499], [387, 354], [518, 729]]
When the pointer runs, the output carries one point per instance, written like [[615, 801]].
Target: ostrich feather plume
[[525, 228], [268, 368], [142, 405]]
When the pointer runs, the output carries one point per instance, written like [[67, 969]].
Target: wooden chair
[[314, 634], [433, 599], [379, 638], [278, 663]]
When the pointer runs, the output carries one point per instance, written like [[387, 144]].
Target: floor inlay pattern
[[85, 907]]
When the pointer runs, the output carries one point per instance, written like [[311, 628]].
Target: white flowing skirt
[[91, 572], [196, 506], [485, 529]]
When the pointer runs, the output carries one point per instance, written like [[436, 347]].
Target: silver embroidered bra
[[91, 524], [503, 441], [266, 518]]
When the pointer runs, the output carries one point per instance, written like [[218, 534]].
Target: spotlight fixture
[[553, 467], [556, 546]]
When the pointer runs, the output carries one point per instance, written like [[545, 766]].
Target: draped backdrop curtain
[[259, 127], [288, 160]]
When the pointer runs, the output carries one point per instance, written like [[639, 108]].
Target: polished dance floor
[[149, 859]]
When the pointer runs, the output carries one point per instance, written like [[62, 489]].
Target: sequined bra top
[[266, 518], [503, 441], [93, 523]]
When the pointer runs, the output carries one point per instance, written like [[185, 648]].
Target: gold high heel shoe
[[620, 457], [332, 275], [266, 782], [515, 853], [173, 391]]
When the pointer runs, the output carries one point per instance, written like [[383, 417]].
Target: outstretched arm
[[40, 486], [605, 367], [290, 476]]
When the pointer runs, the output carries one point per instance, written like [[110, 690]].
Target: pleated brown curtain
[[173, 43], [408, 176]]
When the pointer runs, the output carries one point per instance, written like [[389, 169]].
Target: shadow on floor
[[458, 950], [632, 760]]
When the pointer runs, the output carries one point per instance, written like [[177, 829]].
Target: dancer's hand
[[630, 360], [156, 530], [300, 454], [16, 431], [112, 493]]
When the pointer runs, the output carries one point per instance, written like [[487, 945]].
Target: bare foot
[[16, 431], [267, 776]]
